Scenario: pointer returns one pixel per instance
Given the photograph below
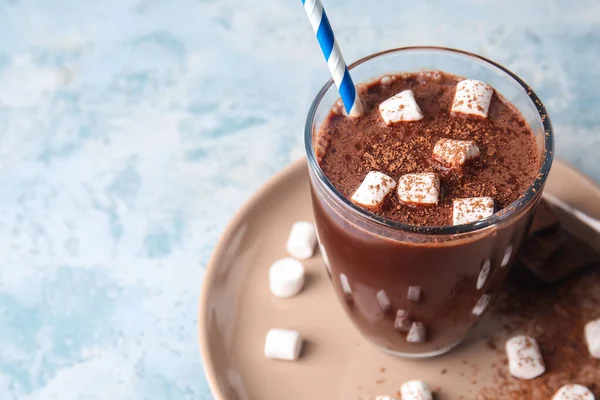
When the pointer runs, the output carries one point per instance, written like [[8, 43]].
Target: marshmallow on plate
[[472, 98], [419, 189], [282, 344], [415, 390], [286, 277], [373, 189], [471, 209], [400, 107], [417, 333], [455, 153], [302, 240], [592, 337], [524, 357], [573, 391]]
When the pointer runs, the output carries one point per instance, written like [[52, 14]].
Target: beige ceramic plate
[[237, 309]]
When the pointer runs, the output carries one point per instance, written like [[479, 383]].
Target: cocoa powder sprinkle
[[348, 148], [555, 316]]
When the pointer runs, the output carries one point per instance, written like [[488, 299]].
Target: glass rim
[[506, 213]]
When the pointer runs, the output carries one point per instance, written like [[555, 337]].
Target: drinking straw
[[333, 55]]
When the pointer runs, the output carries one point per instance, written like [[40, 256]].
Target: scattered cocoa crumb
[[555, 316], [491, 344]]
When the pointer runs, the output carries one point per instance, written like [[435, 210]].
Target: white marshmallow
[[507, 254], [483, 274], [346, 289], [472, 209], [524, 357], [383, 300], [472, 98], [415, 390], [323, 253], [302, 240], [573, 391], [325, 258], [282, 344], [345, 284], [286, 277], [455, 153], [401, 107], [373, 189], [419, 189], [592, 337], [417, 333], [414, 294], [385, 398], [402, 322], [386, 80], [482, 304]]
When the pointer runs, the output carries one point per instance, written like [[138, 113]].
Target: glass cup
[[374, 262]]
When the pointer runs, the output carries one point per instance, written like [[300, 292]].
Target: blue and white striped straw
[[333, 55]]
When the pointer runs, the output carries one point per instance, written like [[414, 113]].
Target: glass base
[[420, 355]]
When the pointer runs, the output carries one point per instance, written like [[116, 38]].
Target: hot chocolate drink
[[420, 158]]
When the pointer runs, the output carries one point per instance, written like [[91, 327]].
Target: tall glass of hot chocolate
[[422, 202]]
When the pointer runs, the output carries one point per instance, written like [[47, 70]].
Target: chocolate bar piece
[[537, 250], [574, 256], [550, 252], [403, 321], [544, 219]]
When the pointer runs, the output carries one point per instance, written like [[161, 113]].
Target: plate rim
[[210, 269]]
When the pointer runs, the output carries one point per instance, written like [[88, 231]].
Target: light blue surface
[[131, 131]]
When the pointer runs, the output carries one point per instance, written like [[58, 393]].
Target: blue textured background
[[131, 130]]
